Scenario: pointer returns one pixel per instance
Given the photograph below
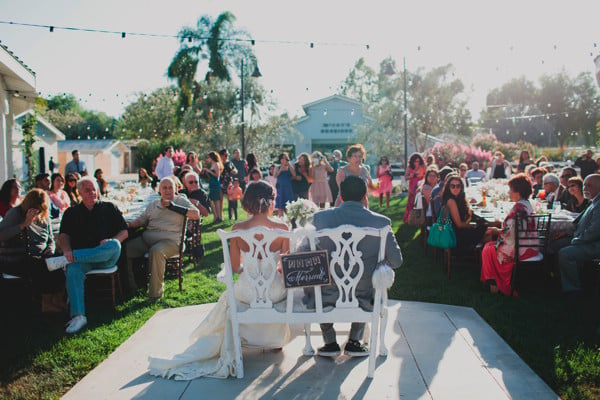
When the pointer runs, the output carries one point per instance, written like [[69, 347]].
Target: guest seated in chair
[[10, 196], [195, 193], [553, 188], [468, 232], [90, 237], [163, 220], [585, 244], [26, 239], [577, 201], [565, 196], [497, 258], [537, 174], [353, 192]]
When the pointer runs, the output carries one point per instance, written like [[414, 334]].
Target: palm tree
[[216, 41]]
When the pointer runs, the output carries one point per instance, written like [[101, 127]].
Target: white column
[[4, 136]]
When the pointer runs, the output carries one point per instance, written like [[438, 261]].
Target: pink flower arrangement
[[179, 157]]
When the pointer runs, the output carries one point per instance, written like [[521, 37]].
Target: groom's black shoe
[[329, 350], [355, 349]]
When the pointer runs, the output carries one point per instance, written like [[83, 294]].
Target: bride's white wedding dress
[[211, 354]]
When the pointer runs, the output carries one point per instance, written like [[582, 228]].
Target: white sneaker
[[54, 263], [76, 323]]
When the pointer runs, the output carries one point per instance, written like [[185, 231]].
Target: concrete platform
[[435, 352]]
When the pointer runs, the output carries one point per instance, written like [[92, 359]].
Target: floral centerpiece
[[495, 189], [300, 212], [126, 194]]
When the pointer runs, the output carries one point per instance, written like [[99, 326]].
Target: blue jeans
[[99, 257]]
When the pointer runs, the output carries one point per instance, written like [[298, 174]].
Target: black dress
[[467, 238]]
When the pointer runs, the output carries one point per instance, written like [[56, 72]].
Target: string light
[[189, 39]]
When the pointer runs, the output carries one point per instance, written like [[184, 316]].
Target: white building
[[329, 124], [45, 146], [110, 155], [17, 94]]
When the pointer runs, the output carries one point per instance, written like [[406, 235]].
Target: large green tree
[[561, 109], [152, 117], [436, 104], [66, 113]]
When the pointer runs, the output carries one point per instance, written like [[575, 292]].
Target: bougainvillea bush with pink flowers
[[455, 153]]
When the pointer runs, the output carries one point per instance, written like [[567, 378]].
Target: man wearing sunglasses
[[195, 193]]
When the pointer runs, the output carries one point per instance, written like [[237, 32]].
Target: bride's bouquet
[[300, 211]]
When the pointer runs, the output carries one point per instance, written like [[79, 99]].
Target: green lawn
[[555, 338]]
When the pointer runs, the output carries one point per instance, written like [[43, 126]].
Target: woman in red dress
[[498, 258]]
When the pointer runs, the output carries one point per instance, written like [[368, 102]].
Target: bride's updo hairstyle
[[258, 197]]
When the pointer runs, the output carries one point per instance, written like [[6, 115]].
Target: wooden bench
[[345, 266]]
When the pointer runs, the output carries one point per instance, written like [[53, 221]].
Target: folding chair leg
[[447, 259]]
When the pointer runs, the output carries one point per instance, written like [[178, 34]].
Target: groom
[[353, 191]]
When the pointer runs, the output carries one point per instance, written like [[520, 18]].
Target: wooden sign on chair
[[306, 269]]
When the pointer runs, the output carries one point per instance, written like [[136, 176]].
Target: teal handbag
[[441, 233]]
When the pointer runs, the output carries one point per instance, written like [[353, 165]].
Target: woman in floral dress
[[498, 258], [414, 174]]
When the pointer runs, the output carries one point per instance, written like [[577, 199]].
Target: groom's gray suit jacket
[[354, 213]]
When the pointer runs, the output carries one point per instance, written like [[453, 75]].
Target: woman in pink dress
[[414, 174], [57, 195], [498, 258], [319, 192], [384, 175]]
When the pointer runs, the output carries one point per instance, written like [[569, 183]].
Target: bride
[[211, 353]]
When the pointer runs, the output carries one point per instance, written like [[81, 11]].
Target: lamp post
[[389, 71], [255, 74]]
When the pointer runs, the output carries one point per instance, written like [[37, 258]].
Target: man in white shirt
[[475, 175], [165, 165]]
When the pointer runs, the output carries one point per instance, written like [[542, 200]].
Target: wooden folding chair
[[531, 232], [176, 262], [194, 240], [112, 274]]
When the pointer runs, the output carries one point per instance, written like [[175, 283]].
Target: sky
[[489, 43]]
